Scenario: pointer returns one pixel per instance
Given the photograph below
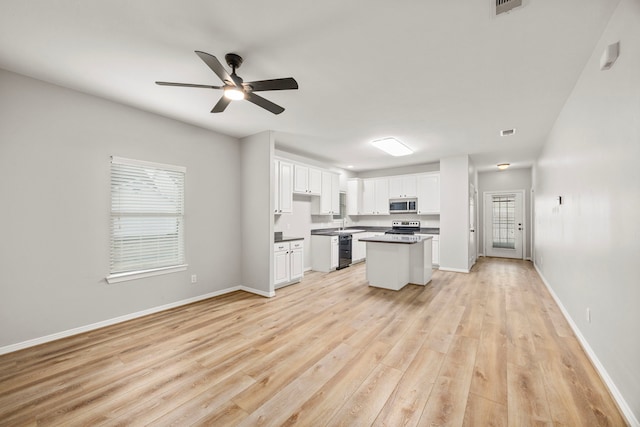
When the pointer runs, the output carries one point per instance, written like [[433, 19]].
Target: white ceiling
[[443, 77]]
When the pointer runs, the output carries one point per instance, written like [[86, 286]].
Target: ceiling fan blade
[[188, 85], [236, 80], [215, 65], [274, 84], [221, 105], [264, 103]]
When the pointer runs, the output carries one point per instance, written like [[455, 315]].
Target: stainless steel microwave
[[403, 206]]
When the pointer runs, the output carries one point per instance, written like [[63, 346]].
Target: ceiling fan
[[235, 88]]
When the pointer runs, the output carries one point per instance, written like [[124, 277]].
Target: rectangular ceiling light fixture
[[392, 146]]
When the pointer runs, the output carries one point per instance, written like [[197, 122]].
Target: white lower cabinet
[[288, 263], [324, 253], [435, 248], [358, 248], [296, 270]]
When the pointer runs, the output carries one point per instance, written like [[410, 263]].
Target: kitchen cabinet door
[[368, 197], [284, 188], [315, 181], [301, 179], [307, 180], [354, 197], [401, 187], [382, 196], [296, 262], [429, 193], [375, 196], [335, 252], [329, 200], [281, 263], [276, 186], [358, 248]]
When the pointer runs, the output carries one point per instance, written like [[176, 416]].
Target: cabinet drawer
[[281, 246]]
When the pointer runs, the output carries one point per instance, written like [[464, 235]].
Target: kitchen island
[[394, 261]]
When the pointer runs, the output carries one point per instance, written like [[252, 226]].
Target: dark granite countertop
[[336, 231], [396, 238], [287, 239], [365, 229], [429, 231]]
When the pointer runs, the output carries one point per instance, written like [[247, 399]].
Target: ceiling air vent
[[503, 6]]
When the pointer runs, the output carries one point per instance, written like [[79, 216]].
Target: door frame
[[485, 232]]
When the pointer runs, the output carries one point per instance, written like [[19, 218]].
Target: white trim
[[75, 331], [269, 294], [455, 270], [524, 218], [132, 275], [144, 163], [604, 375]]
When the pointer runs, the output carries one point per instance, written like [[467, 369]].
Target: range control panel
[[408, 224]]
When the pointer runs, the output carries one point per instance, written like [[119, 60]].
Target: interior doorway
[[504, 224]]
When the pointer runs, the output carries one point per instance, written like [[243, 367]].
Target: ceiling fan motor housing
[[233, 60]]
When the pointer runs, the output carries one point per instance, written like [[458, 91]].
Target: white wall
[[55, 148], [506, 180], [257, 212], [454, 213], [587, 249], [403, 170]]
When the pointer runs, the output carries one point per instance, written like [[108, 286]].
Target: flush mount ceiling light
[[507, 132], [392, 146], [503, 166]]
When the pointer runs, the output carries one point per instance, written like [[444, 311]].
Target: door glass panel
[[504, 221]]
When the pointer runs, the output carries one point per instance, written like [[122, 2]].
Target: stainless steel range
[[404, 227]]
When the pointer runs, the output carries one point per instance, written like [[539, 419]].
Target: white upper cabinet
[[401, 187], [429, 193], [283, 191], [375, 196], [354, 197], [307, 180], [329, 201]]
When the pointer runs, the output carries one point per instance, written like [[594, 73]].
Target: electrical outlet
[[194, 278], [588, 315]]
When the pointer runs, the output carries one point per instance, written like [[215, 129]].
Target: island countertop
[[396, 238]]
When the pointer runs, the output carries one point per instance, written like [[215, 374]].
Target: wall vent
[[504, 6]]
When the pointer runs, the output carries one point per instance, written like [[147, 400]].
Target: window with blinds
[[504, 222], [147, 219]]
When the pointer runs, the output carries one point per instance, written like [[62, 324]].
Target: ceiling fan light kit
[[234, 94], [235, 89]]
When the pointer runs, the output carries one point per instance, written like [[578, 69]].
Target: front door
[[503, 224]]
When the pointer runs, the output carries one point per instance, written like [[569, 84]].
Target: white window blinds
[[147, 217]]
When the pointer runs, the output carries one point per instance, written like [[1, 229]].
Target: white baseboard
[[455, 270], [257, 292], [75, 331], [604, 375]]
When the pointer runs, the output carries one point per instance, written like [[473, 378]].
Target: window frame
[[146, 212]]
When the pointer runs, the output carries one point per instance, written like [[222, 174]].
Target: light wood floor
[[489, 348]]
